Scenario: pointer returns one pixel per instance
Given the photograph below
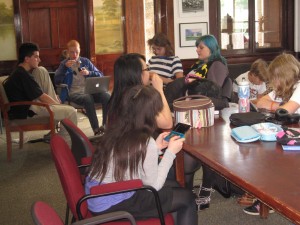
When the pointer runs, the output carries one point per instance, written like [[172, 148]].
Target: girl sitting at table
[[284, 78], [283, 73], [127, 151], [210, 71]]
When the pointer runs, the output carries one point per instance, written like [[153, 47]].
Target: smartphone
[[178, 130]]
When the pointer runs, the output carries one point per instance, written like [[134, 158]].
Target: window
[[234, 24], [149, 25], [246, 26]]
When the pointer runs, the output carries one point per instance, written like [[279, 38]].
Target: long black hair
[[127, 73], [125, 141]]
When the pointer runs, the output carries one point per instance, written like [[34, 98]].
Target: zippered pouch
[[245, 134]]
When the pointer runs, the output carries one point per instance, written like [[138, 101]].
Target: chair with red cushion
[[80, 144], [74, 191], [43, 214]]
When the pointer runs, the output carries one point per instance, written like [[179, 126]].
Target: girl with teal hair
[[211, 42], [208, 76]]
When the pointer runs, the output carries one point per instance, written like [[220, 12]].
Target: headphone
[[283, 116]]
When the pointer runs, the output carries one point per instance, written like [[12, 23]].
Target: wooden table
[[260, 168]]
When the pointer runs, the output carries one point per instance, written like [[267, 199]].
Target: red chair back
[[69, 174], [81, 145]]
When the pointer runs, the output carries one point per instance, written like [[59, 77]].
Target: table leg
[[263, 210], [179, 168]]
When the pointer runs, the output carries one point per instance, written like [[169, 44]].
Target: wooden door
[[51, 24]]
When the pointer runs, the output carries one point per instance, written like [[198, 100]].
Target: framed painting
[[190, 8], [190, 32], [8, 44]]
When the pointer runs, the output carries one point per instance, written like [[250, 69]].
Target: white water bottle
[[244, 95]]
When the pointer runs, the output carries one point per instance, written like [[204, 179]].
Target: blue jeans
[[88, 102]]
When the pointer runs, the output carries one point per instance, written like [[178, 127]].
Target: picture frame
[[193, 8], [8, 43], [190, 32]]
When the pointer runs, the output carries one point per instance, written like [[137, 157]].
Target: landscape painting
[[190, 32], [108, 26], [7, 34]]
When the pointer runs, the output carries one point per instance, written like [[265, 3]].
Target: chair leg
[[67, 215], [1, 124], [8, 145], [21, 139]]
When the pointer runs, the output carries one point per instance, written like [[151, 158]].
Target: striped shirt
[[165, 66]]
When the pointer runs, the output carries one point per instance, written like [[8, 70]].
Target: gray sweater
[[151, 173]]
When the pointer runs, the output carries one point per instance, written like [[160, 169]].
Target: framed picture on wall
[[188, 8], [190, 32], [8, 43]]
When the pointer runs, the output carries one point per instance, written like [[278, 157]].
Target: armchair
[[74, 191], [44, 214], [22, 125]]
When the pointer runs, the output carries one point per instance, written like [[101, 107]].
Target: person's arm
[[60, 73], [164, 119], [47, 99], [177, 67], [266, 102], [217, 73], [165, 80], [91, 69], [290, 106], [179, 75], [155, 174]]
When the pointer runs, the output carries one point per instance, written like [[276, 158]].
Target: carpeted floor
[[31, 176]]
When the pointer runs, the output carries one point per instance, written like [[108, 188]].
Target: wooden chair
[[22, 125]]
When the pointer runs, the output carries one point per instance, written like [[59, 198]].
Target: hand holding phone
[[178, 130], [175, 144]]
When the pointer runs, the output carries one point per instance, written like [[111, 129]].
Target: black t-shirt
[[21, 86]]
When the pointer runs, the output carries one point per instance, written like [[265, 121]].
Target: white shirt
[[295, 96], [254, 89]]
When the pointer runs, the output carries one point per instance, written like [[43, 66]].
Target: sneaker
[[254, 209], [99, 131]]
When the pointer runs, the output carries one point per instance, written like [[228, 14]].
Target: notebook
[[94, 85]]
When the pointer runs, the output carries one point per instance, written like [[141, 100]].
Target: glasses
[[146, 69]]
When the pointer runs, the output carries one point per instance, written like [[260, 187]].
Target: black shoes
[[100, 131], [203, 198], [254, 209]]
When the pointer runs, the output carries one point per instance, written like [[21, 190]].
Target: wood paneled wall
[[51, 24]]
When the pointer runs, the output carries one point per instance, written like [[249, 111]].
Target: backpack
[[226, 188]]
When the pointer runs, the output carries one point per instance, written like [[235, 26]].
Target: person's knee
[[191, 164], [188, 197], [105, 98], [88, 100]]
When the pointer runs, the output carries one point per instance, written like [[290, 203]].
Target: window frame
[[287, 28]]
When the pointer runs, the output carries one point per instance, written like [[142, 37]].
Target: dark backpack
[[226, 188]]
